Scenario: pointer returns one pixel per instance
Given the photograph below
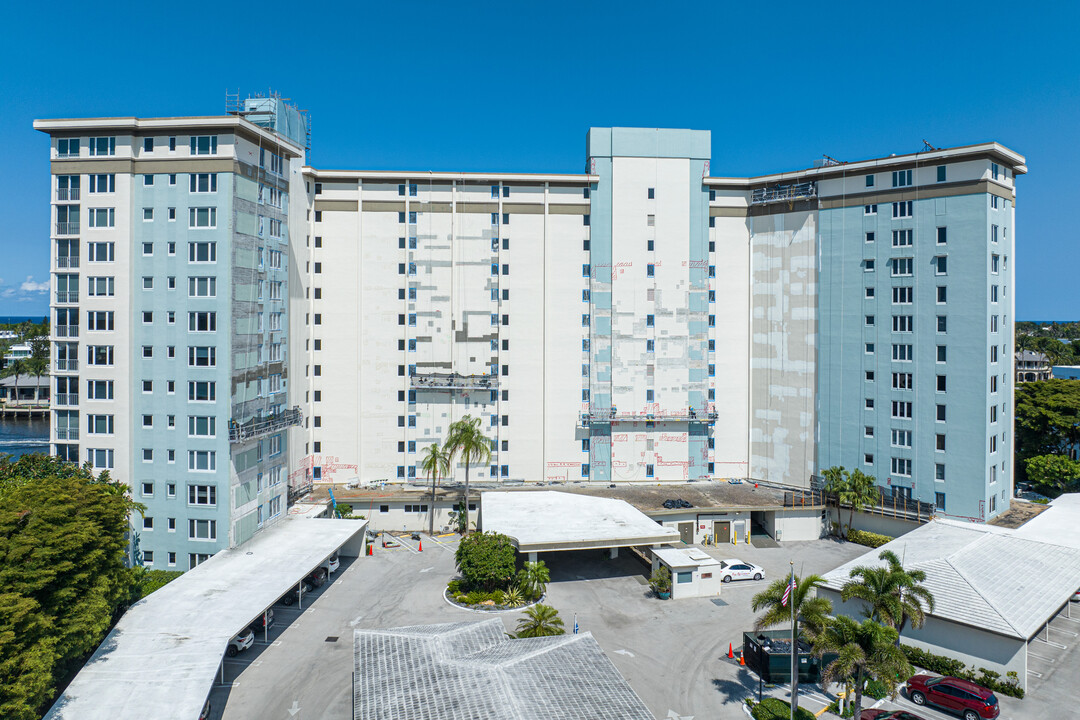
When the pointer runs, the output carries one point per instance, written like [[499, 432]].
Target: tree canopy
[[63, 573], [1055, 471], [486, 561], [1047, 419]]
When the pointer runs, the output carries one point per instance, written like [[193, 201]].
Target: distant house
[[31, 390], [1032, 366]]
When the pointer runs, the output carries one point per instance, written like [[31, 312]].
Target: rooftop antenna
[[927, 147], [830, 161]]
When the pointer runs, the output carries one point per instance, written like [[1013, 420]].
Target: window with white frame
[[202, 391], [902, 353], [202, 321], [203, 144], [202, 460], [902, 295], [202, 529], [901, 466], [102, 146], [202, 426], [102, 183], [100, 458], [202, 182], [902, 209], [100, 286], [202, 252], [903, 323], [102, 217], [202, 286], [202, 217], [901, 409]]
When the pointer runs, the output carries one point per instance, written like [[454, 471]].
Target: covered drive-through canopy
[[546, 520], [161, 659]]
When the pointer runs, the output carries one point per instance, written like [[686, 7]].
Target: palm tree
[[861, 490], [865, 651], [540, 621], [466, 441], [810, 612], [533, 578], [836, 482], [15, 368], [892, 594], [434, 463]]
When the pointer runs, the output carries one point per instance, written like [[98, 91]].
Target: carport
[[546, 520], [161, 659]]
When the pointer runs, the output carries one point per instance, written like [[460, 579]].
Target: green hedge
[[868, 539], [777, 709], [950, 666]]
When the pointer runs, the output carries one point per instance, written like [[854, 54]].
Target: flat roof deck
[[161, 659], [545, 520]]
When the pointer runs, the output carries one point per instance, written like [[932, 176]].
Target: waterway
[[19, 436]]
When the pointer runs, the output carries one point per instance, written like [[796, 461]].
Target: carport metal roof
[[161, 659], [547, 520]]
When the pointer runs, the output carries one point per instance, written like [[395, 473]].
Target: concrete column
[[613, 553], [532, 557]]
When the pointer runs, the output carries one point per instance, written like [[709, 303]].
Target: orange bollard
[[742, 659], [421, 546], [730, 652]]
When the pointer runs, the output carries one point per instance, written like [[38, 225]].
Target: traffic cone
[[370, 549], [742, 658], [730, 652], [421, 546]]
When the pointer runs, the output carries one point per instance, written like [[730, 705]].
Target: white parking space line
[[1032, 672], [1062, 630], [1041, 657], [1052, 643]]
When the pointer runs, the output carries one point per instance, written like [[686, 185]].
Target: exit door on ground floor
[[722, 531], [686, 532]]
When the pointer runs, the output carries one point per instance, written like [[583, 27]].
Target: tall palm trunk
[[857, 707], [465, 508], [431, 523]]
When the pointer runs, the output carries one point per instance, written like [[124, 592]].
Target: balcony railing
[[67, 228], [67, 296], [67, 433], [453, 381], [782, 193], [258, 427], [67, 193], [690, 415], [67, 261], [74, 154], [69, 365], [66, 330], [67, 398]]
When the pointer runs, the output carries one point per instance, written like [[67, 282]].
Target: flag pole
[[794, 647]]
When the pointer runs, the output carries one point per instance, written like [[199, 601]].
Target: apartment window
[[942, 235], [868, 459], [870, 237], [902, 238], [868, 265], [942, 323], [903, 267], [902, 295], [868, 431], [99, 355], [102, 217], [869, 375], [869, 181], [203, 144], [870, 209], [941, 413], [202, 182], [67, 147], [869, 348], [202, 322], [901, 438], [942, 294], [902, 381], [901, 178], [650, 270], [101, 459], [172, 217], [202, 426], [100, 286], [202, 460], [941, 353], [993, 293], [202, 391], [102, 146], [903, 323], [650, 321], [902, 353], [941, 384], [585, 219], [202, 356], [202, 530], [202, 286], [148, 179], [204, 217], [995, 262], [99, 320], [103, 183], [99, 389], [941, 265], [868, 403], [869, 293], [202, 252], [939, 442], [901, 466], [993, 389], [99, 424], [868, 320], [902, 209]]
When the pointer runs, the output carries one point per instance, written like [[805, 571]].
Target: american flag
[[787, 591]]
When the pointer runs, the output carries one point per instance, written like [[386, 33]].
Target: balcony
[[67, 365], [67, 228], [67, 296], [67, 261], [452, 381], [613, 416], [66, 330], [67, 398], [259, 427], [67, 194], [67, 433]]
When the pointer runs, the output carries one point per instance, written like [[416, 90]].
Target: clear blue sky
[[514, 86]]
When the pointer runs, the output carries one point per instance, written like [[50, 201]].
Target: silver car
[[735, 569]]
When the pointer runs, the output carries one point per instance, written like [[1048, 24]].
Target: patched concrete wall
[[783, 346]]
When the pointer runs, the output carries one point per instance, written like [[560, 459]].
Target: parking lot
[[673, 653]]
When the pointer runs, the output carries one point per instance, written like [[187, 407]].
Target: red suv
[[962, 697]]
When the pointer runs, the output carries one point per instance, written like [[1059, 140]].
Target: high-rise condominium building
[[247, 323]]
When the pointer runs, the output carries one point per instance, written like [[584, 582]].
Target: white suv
[[241, 642]]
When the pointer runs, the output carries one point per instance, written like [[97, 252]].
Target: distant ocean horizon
[[16, 319]]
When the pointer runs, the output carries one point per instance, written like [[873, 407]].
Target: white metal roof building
[[994, 589], [546, 520], [161, 659], [472, 671]]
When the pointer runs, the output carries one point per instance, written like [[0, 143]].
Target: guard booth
[[768, 653]]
